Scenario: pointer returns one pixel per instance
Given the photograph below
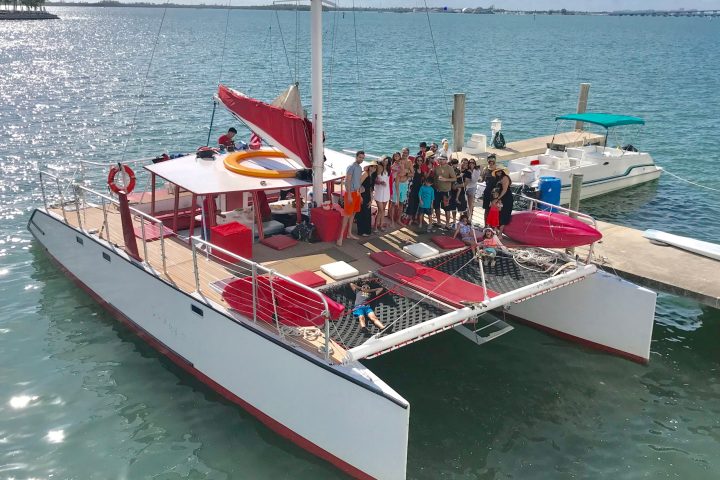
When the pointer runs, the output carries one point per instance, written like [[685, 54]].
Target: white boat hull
[[603, 311], [343, 414], [604, 170], [604, 186]]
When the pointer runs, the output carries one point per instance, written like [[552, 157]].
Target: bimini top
[[607, 120]]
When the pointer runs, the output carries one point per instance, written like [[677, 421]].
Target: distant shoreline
[[478, 10]]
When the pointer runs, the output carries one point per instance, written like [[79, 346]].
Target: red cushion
[[452, 290], [279, 242], [294, 306], [311, 279], [386, 258], [447, 242]]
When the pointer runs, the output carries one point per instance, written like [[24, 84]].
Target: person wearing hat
[[505, 196], [444, 176], [429, 164], [367, 183], [490, 245], [444, 149]]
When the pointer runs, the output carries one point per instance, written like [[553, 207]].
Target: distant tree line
[[28, 4]]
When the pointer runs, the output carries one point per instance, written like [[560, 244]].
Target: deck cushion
[[439, 285], [279, 242], [421, 250], [386, 257], [294, 306], [446, 242], [308, 278], [339, 270]]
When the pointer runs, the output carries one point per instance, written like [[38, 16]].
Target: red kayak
[[550, 230]]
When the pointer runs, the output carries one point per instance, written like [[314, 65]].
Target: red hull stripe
[[268, 421], [581, 341]]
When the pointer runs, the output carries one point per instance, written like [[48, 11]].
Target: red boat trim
[[186, 365], [582, 341]]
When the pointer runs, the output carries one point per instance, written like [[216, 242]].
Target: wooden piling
[[458, 121], [575, 189], [582, 103]]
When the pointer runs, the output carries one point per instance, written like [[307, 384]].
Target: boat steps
[[487, 332]]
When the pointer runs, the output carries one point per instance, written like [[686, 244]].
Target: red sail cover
[[281, 128]]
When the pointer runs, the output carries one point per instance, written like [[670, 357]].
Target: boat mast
[[317, 105]]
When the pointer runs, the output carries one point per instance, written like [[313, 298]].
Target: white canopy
[[204, 177]]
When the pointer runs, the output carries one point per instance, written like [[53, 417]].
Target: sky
[[590, 5]]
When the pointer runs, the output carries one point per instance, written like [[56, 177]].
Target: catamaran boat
[[269, 324], [604, 169]]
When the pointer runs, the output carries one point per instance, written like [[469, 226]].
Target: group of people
[[410, 189]]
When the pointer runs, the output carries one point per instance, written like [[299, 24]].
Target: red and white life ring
[[126, 171]]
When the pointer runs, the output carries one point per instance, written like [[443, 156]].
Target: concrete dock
[[665, 268]]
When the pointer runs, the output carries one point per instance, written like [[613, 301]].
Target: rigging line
[[332, 60], [144, 83], [222, 56], [690, 182], [437, 60], [357, 73], [282, 38], [297, 40]]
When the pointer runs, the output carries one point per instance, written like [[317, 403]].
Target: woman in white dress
[[382, 192]]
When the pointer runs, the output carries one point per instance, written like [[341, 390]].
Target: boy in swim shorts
[[362, 309]]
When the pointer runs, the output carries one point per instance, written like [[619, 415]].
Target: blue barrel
[[550, 188]]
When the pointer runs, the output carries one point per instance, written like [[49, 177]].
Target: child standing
[[426, 197], [493, 218]]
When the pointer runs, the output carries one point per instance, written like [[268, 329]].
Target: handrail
[[570, 213], [256, 267], [558, 207]]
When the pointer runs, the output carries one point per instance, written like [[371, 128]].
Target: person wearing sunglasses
[[490, 183]]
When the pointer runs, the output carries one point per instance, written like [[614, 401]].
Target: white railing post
[[42, 190], [105, 219], [77, 206], [142, 232], [195, 265], [327, 336], [274, 302], [162, 247], [62, 199], [254, 291]]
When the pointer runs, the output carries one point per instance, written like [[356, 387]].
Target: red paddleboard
[[550, 230]]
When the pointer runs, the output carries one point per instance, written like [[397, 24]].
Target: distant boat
[[604, 169]]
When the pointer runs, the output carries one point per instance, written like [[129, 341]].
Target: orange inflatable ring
[[113, 174], [233, 162]]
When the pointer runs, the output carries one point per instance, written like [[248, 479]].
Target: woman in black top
[[506, 196], [416, 182], [364, 216], [490, 182]]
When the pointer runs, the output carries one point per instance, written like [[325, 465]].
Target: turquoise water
[[80, 397]]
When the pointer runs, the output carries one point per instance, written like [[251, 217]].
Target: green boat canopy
[[607, 120]]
